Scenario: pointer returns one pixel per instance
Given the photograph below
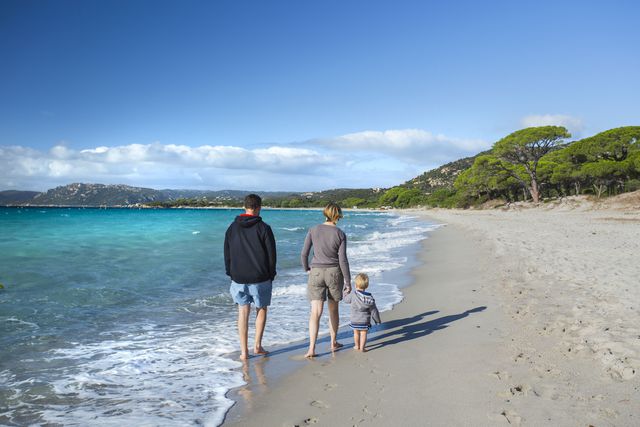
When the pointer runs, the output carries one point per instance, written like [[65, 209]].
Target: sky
[[297, 95]]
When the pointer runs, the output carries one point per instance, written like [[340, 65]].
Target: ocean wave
[[122, 379], [292, 228], [21, 322]]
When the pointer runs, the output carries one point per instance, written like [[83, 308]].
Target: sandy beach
[[516, 317]]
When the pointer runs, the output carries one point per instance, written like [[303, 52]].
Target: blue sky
[[297, 95]]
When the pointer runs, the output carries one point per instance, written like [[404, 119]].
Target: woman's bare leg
[[334, 321], [314, 324]]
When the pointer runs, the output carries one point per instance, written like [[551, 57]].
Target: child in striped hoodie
[[363, 309]]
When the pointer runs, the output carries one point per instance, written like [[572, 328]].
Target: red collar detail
[[246, 214]]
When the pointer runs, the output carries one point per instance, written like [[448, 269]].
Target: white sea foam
[[292, 228], [195, 232], [290, 290], [150, 377]]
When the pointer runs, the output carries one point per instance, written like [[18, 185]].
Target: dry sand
[[519, 317]]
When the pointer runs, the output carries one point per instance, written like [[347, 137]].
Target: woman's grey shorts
[[323, 282]]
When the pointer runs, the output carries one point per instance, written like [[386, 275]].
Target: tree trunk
[[535, 191], [599, 189]]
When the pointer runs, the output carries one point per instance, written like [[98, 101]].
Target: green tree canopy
[[525, 148]]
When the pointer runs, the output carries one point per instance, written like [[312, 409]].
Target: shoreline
[[318, 391], [286, 358], [509, 320]]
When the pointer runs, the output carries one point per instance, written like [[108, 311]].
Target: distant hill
[[15, 197], [442, 177], [219, 194], [80, 194], [347, 197]]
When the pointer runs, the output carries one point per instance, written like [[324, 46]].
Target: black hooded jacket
[[250, 250]]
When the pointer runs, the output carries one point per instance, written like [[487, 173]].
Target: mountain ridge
[[122, 195]]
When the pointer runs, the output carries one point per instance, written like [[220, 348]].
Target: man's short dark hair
[[253, 202]]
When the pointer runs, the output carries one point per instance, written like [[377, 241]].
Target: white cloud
[[156, 165], [573, 124], [409, 145], [362, 159]]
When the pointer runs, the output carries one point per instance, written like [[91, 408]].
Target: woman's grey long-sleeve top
[[329, 249]]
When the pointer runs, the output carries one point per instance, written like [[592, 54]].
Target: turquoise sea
[[123, 317]]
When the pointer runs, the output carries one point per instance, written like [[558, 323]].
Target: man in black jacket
[[250, 261]]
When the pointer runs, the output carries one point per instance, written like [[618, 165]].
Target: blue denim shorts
[[257, 293]]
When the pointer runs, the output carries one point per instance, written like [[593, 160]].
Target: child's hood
[[365, 297]]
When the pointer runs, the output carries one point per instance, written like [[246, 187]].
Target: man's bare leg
[[314, 324], [261, 321], [334, 321], [243, 330]]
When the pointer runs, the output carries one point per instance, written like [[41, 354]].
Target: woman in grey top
[[328, 274]]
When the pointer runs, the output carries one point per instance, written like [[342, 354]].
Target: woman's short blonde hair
[[362, 281], [332, 212]]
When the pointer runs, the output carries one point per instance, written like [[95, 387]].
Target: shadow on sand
[[399, 330], [407, 329]]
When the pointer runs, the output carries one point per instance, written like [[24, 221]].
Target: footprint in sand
[[512, 417], [308, 422], [501, 375], [319, 404], [519, 390], [329, 387], [548, 392]]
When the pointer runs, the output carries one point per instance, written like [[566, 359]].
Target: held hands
[[347, 288]]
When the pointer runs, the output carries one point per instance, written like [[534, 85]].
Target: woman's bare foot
[[310, 355], [336, 345], [244, 356], [260, 351]]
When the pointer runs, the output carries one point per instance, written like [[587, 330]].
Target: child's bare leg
[[363, 340], [356, 339]]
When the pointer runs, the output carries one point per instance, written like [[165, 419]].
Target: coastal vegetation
[[536, 164]]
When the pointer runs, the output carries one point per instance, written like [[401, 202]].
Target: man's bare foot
[[260, 351], [336, 345]]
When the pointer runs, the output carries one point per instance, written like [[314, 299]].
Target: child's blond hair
[[362, 281], [332, 212]]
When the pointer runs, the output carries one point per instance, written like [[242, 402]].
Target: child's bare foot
[[364, 350], [355, 348], [260, 351]]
